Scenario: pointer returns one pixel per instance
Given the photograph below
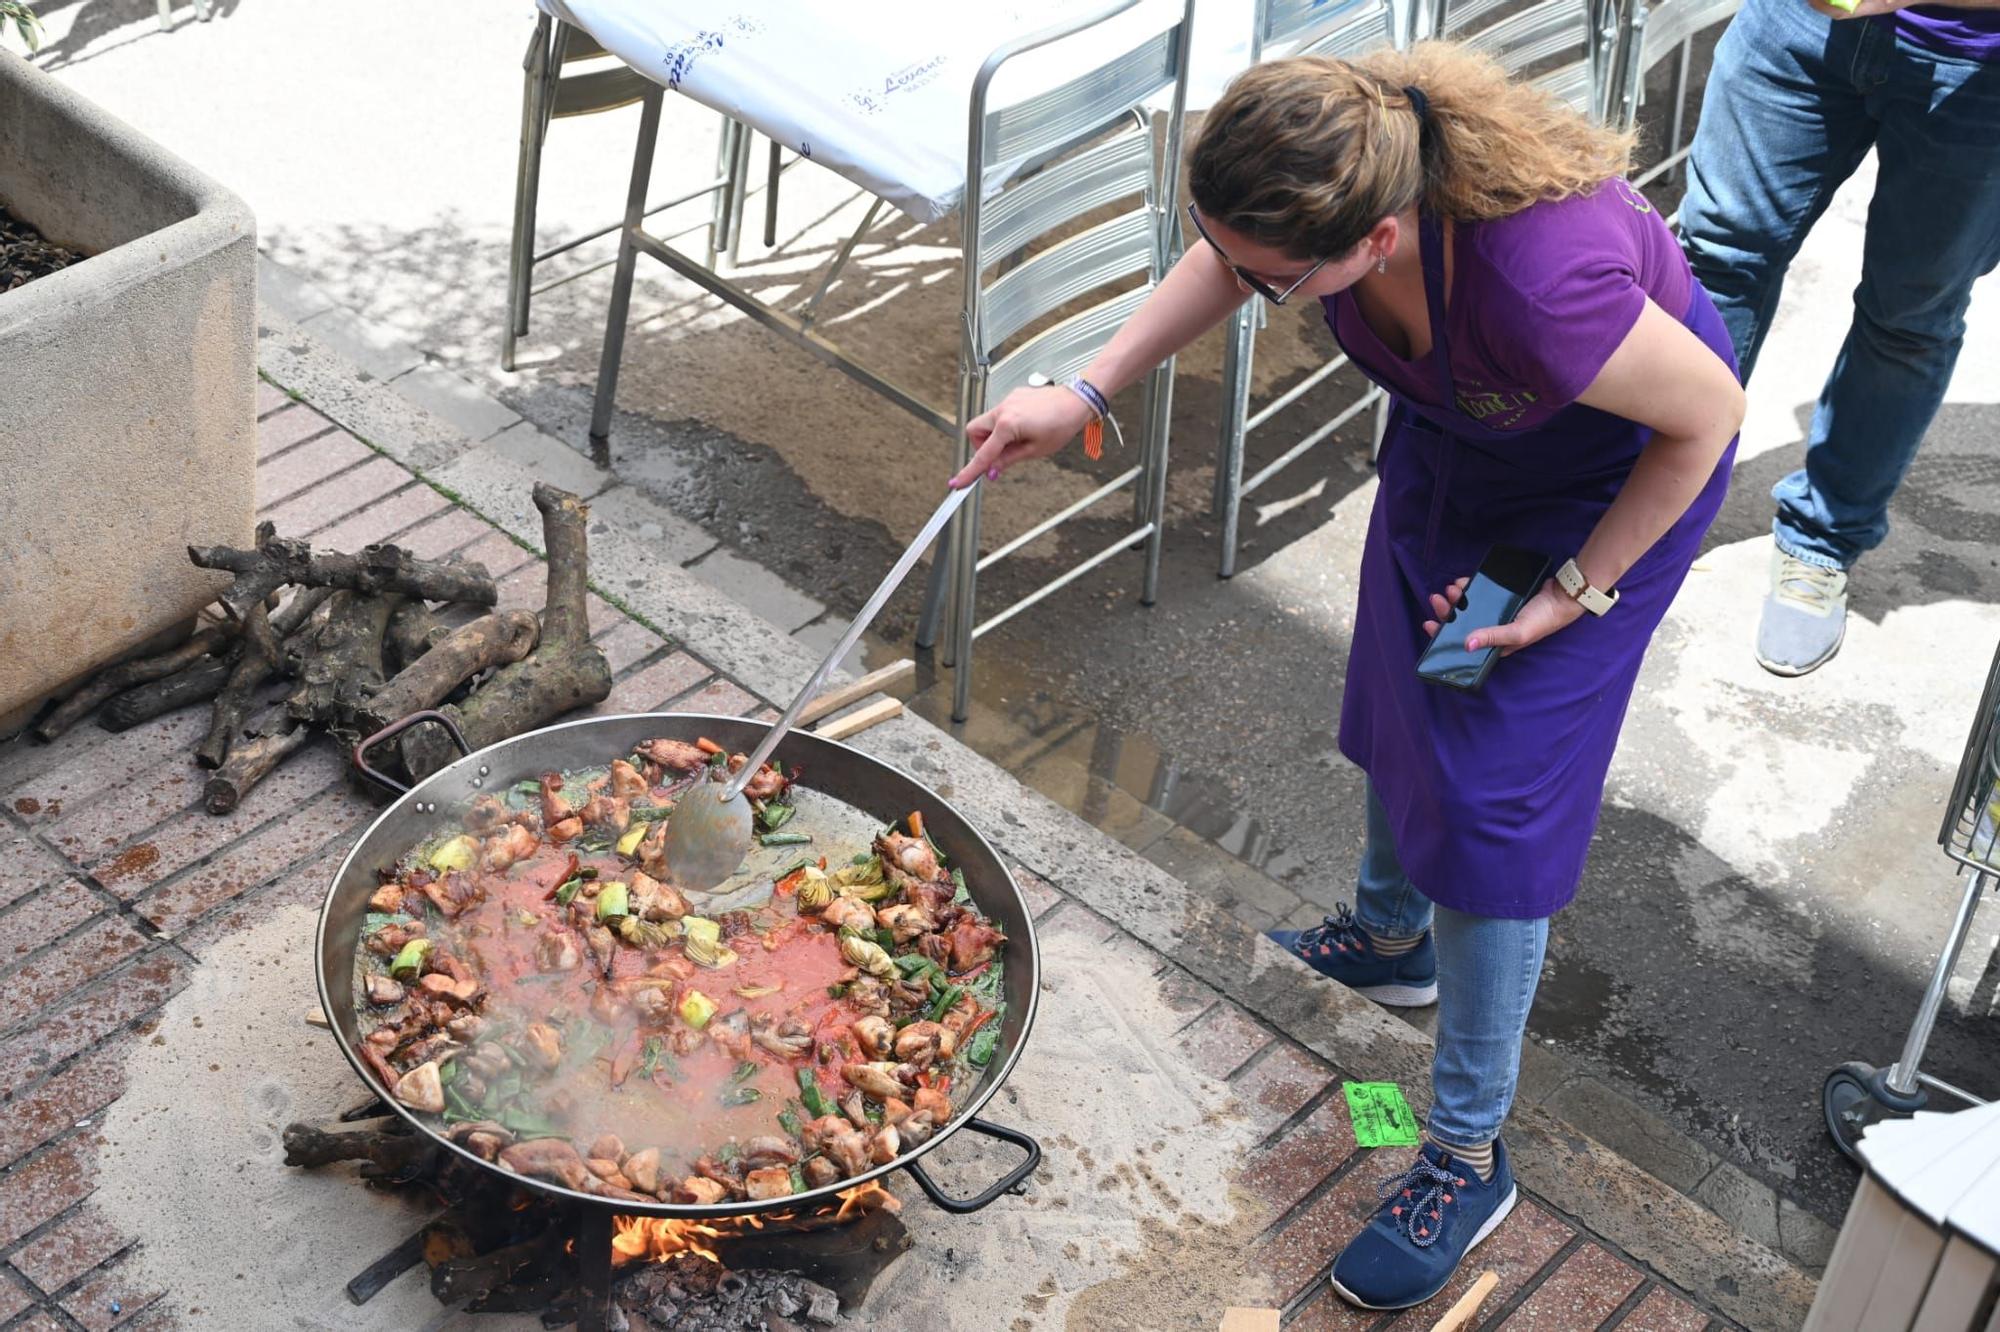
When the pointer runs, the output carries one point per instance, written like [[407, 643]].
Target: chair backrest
[[1656, 32], [1076, 148], [1575, 35], [1331, 27], [587, 92]]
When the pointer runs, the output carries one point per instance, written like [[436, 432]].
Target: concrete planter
[[127, 389]]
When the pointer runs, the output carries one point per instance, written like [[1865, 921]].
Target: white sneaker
[[1805, 616]]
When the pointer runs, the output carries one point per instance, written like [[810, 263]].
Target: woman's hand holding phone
[[1549, 610]]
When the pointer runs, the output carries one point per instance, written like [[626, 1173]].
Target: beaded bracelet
[[1100, 412]]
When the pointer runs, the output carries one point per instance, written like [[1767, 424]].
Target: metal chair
[[1584, 34], [552, 90], [1292, 27], [1078, 147], [1138, 243], [1654, 34]]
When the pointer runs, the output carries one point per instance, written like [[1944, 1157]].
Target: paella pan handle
[[396, 728], [1007, 1183]]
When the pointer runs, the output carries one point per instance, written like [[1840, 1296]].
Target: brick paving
[[113, 884]]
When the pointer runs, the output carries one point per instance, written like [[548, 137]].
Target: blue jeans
[[1487, 972], [1794, 102]]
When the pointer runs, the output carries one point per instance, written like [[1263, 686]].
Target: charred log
[[127, 675], [564, 672], [489, 641], [390, 1155], [141, 703], [276, 561], [341, 665], [413, 630], [256, 661], [268, 740]]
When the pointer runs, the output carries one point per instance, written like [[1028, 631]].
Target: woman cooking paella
[[1562, 390]]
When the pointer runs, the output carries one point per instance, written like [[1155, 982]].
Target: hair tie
[[1418, 102]]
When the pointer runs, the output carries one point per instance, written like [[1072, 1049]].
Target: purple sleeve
[[1571, 323]]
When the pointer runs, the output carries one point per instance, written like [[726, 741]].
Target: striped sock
[[1480, 1158], [1391, 947]]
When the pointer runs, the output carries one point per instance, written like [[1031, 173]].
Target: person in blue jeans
[[1798, 95]]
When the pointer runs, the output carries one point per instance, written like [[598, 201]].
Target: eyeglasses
[[1244, 275]]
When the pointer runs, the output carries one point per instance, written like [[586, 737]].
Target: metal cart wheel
[[1856, 1097]]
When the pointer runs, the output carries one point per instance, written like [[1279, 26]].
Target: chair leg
[[725, 171], [1160, 395], [621, 282], [965, 582], [1236, 360], [739, 192], [962, 573], [932, 615], [166, 8], [527, 173], [771, 174]]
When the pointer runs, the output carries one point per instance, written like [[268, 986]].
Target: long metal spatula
[[708, 832]]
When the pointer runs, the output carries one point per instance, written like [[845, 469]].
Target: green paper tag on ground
[[1381, 1116]]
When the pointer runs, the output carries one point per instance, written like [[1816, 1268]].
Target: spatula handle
[[782, 727]]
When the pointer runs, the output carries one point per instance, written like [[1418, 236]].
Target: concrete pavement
[[1766, 894]]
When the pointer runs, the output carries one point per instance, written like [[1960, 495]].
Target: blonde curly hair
[[1307, 154]]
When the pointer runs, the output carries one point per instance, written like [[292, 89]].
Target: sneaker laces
[[1336, 933], [1811, 587], [1426, 1189]]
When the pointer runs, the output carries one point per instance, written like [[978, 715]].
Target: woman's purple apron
[[1494, 795]]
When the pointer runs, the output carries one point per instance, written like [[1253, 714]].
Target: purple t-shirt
[[1538, 303], [1968, 34]]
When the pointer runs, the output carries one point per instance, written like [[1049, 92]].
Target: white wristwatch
[[1571, 580]]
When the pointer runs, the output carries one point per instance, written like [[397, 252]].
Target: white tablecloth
[[880, 92]]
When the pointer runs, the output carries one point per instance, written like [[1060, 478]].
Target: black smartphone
[[1507, 577]]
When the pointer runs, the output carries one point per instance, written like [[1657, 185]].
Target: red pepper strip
[[707, 746], [943, 1084], [973, 974], [563, 878], [975, 1025]]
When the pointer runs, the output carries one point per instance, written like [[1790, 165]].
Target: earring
[[1382, 264]]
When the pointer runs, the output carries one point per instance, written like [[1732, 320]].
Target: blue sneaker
[[1338, 947], [1430, 1218]]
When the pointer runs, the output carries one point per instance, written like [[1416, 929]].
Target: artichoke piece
[[869, 956], [864, 875], [815, 888], [704, 942], [633, 835], [454, 853], [696, 1009], [645, 933]]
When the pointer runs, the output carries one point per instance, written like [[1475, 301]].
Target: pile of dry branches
[[363, 640]]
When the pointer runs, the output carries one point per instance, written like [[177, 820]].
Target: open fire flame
[[650, 1239]]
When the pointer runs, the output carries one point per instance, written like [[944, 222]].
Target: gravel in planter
[[24, 255]]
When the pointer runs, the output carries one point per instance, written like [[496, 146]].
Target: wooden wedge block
[[1249, 1320], [861, 719], [1468, 1304], [833, 700]]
